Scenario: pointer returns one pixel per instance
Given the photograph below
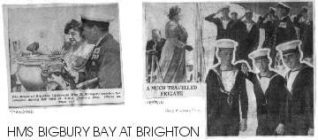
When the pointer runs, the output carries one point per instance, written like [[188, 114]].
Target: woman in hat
[[172, 62], [75, 50]]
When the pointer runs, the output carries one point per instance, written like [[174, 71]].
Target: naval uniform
[[271, 99], [284, 31], [306, 35], [251, 41], [231, 29], [223, 98], [104, 64], [300, 102]]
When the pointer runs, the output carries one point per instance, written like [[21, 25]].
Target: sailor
[[251, 41], [300, 86], [284, 29], [226, 93], [103, 68], [271, 95]]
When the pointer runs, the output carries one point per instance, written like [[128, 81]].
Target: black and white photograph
[[255, 58], [174, 61], [262, 79], [63, 54]]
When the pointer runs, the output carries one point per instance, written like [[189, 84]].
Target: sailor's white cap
[[289, 46], [283, 5], [248, 11], [226, 44], [272, 8], [226, 6], [259, 53]]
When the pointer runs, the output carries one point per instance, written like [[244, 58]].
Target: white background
[[134, 111]]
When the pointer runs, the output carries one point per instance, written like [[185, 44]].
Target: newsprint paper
[[63, 54], [253, 61]]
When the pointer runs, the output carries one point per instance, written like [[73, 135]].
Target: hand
[[280, 129], [311, 132], [188, 48], [243, 125], [219, 11], [244, 68], [78, 63]]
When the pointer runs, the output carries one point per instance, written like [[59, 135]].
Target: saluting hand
[[280, 129], [244, 68]]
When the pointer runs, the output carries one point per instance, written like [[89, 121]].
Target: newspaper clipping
[[255, 60], [174, 67], [63, 54]]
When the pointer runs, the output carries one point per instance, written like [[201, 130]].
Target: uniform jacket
[[252, 38], [284, 31], [221, 32], [272, 103], [151, 43], [217, 105], [306, 35], [104, 63], [301, 97], [235, 30]]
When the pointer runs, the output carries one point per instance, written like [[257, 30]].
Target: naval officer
[[103, 68]]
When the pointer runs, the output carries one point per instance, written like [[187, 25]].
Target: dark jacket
[[301, 98], [250, 43], [235, 30], [284, 31], [159, 46], [252, 38], [269, 28], [105, 64], [306, 35], [221, 32], [217, 99], [273, 103], [240, 34]]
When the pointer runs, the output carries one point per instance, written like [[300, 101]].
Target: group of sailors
[[277, 25], [284, 102]]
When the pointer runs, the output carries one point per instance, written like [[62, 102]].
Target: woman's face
[[73, 36], [177, 17]]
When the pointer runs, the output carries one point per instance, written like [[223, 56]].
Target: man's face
[[225, 12], [262, 64], [281, 12], [291, 59], [225, 55], [73, 36], [234, 16], [249, 15], [156, 35], [90, 34]]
